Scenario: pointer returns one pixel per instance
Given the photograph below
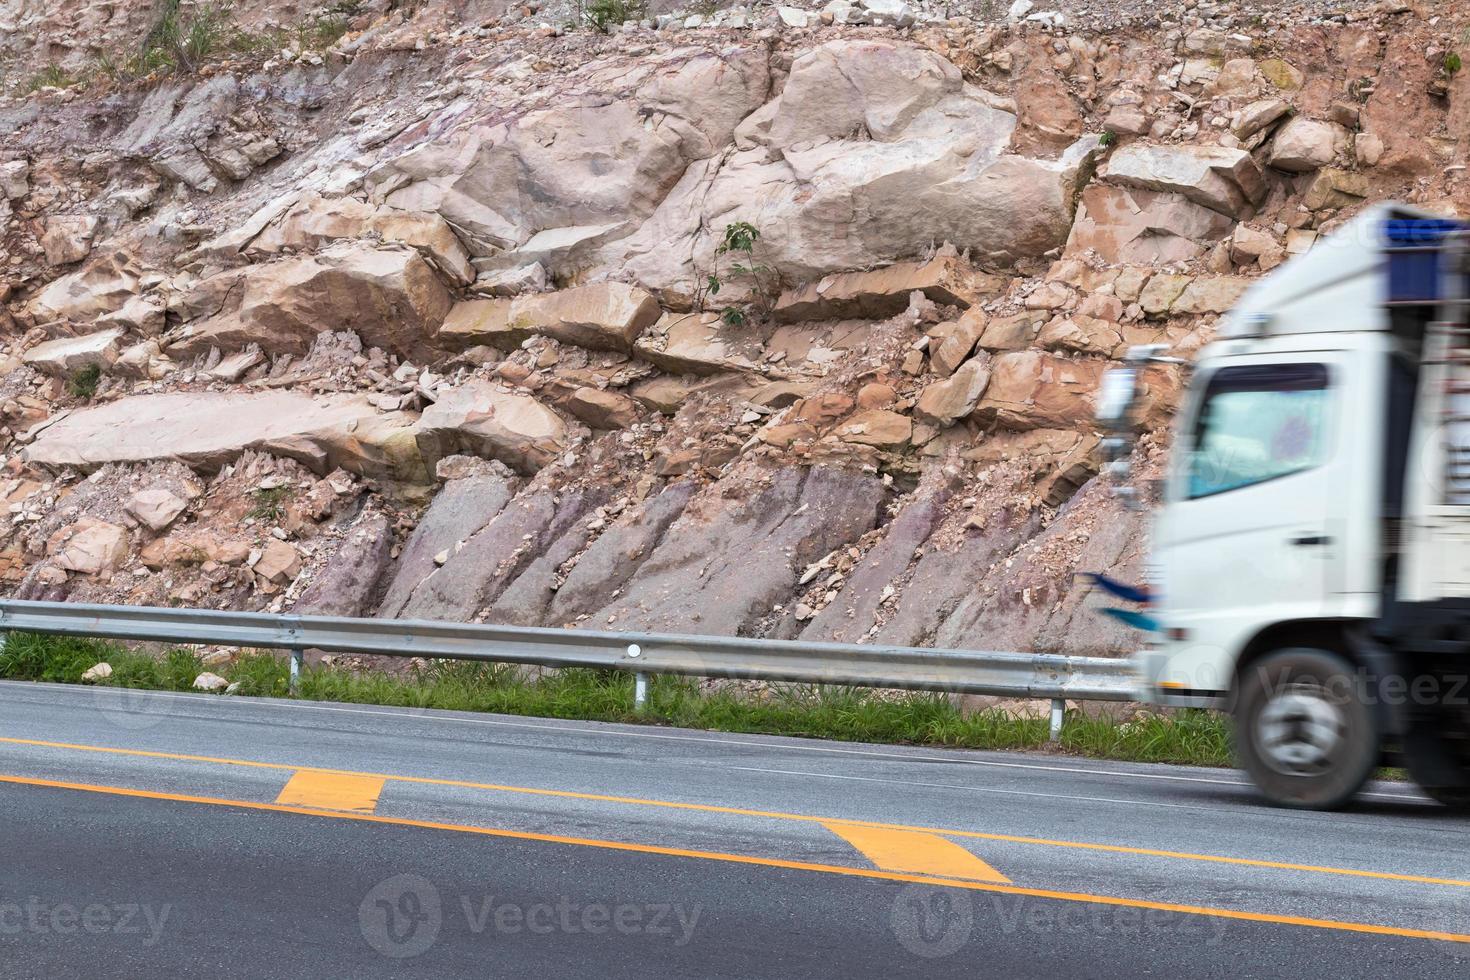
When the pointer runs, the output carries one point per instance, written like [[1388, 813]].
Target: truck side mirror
[[1115, 397]]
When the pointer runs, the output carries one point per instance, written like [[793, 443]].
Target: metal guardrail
[[1015, 675]]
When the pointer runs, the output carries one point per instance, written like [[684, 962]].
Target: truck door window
[[1258, 423]]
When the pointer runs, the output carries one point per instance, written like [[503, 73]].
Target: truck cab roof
[[1344, 283]]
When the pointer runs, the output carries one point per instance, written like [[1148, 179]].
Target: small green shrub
[[83, 383], [270, 503], [1452, 63], [52, 76], [1108, 138], [604, 15], [740, 238]]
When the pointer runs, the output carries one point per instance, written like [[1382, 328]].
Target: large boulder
[[946, 402], [698, 343], [312, 221], [873, 151], [67, 355], [1220, 178], [598, 316], [484, 419], [104, 284], [1031, 390], [1303, 145], [206, 430], [1128, 225], [881, 293], [67, 238], [551, 183], [89, 546], [388, 295]]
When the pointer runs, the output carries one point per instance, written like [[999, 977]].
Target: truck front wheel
[[1304, 731]]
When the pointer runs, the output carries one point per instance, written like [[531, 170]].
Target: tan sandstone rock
[[155, 507], [878, 427], [1032, 390], [68, 238], [1220, 178], [89, 546], [388, 295], [597, 316], [885, 292], [1302, 145], [697, 343], [481, 419], [945, 402], [206, 430], [67, 355], [279, 562], [957, 345]]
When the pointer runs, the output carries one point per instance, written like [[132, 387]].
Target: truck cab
[[1311, 555]]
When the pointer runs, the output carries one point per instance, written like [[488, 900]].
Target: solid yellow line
[[769, 814], [1290, 920], [915, 852], [332, 791]]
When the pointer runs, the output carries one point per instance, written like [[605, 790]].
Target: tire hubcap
[[1299, 729]]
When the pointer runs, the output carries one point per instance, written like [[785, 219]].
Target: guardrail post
[[296, 658], [640, 692], [1058, 713]]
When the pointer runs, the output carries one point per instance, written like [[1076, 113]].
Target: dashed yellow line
[[332, 791], [1235, 914], [915, 852], [767, 814]]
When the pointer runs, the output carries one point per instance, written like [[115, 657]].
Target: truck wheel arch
[[1345, 637]]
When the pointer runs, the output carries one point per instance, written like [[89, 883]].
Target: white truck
[[1310, 567]]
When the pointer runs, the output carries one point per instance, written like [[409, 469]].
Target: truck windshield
[[1258, 423]]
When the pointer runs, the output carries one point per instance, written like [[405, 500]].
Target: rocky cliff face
[[760, 321]]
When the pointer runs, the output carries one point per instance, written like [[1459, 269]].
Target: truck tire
[[1304, 730]]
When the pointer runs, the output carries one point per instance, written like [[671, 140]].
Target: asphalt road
[[181, 835]]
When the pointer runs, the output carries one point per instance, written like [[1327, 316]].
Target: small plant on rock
[[270, 503], [83, 383], [1108, 138], [604, 15], [52, 76], [1452, 63], [740, 238]]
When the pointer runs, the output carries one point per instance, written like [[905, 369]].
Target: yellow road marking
[[768, 814], [915, 852], [1237, 914], [332, 791]]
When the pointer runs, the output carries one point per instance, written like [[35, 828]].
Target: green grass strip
[[807, 710]]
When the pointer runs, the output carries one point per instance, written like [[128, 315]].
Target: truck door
[[1253, 530]]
